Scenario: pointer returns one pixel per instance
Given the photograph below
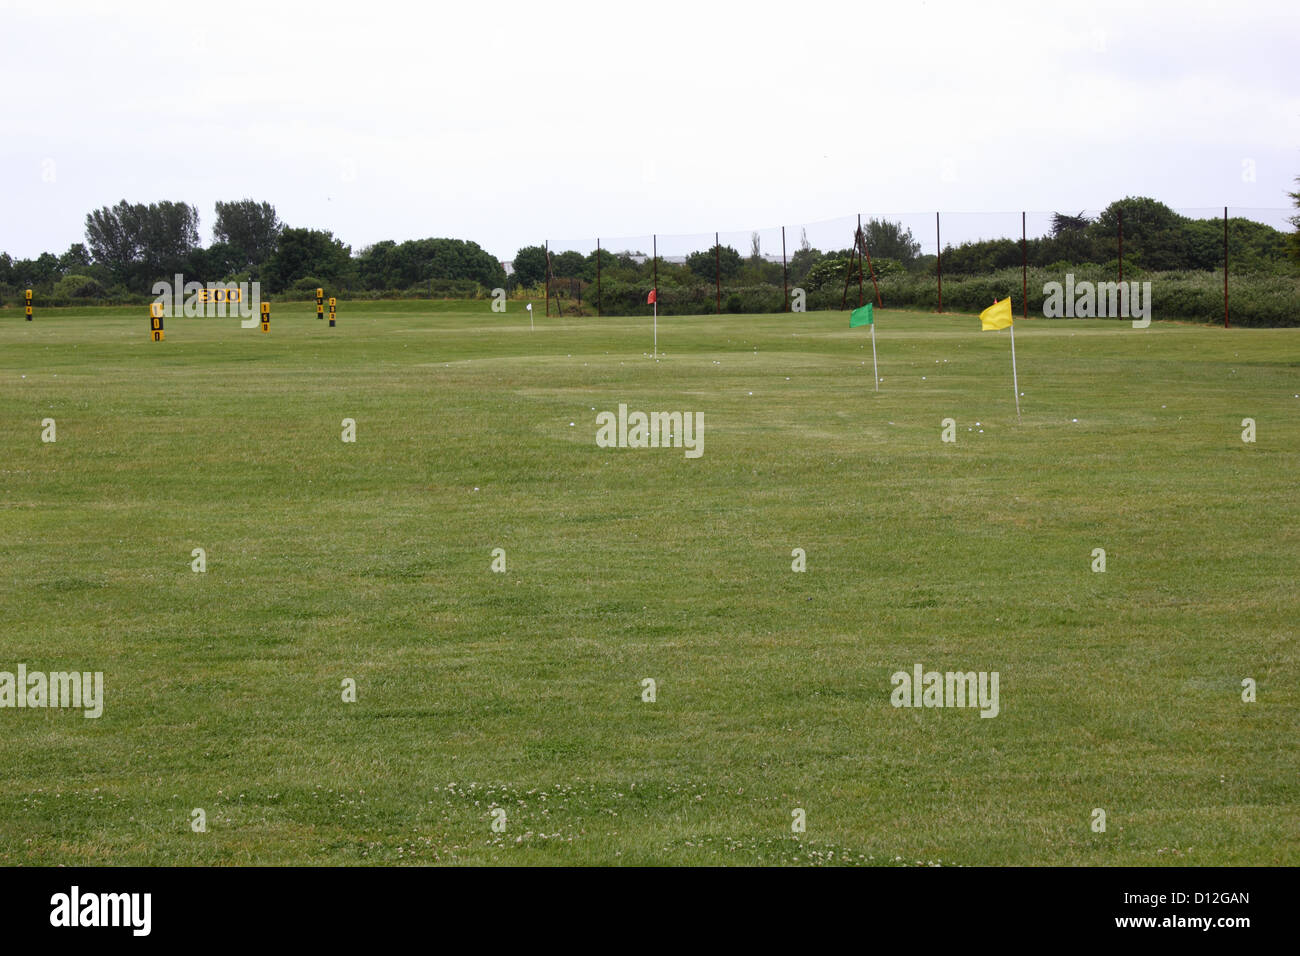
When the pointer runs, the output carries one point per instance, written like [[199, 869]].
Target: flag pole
[[656, 352], [875, 371], [1015, 383]]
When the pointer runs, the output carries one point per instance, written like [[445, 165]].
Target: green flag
[[861, 316]]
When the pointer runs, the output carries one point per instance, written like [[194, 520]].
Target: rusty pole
[[1121, 244], [1024, 267], [785, 274], [598, 277], [1225, 267], [862, 244], [546, 245], [655, 239], [872, 270], [938, 259], [717, 270]]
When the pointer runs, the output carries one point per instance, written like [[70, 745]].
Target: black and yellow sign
[[320, 303], [266, 317], [27, 297], [332, 303], [156, 321]]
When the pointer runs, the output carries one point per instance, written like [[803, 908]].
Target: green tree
[[75, 259], [139, 243], [568, 265], [251, 230], [1153, 233], [889, 240], [804, 258], [307, 252], [721, 261], [1293, 242], [376, 268], [530, 265]]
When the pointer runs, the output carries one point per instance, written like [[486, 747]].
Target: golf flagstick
[[653, 299], [530, 318], [874, 369], [1015, 384]]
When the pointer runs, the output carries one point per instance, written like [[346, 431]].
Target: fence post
[[785, 275], [1225, 267], [598, 277], [717, 271], [1024, 266], [546, 245], [862, 244], [871, 269], [938, 259], [1121, 245]]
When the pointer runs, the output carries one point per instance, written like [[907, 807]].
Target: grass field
[[522, 690]]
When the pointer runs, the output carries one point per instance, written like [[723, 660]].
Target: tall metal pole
[[1121, 245], [598, 257], [938, 259], [655, 256], [546, 245], [872, 270], [862, 244], [785, 274], [848, 273], [1024, 267], [717, 270], [1225, 267]]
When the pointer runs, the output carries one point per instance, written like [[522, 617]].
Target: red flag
[[653, 297]]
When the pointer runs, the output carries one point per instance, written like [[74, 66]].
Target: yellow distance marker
[[320, 302], [156, 321], [332, 303], [266, 317], [27, 298]]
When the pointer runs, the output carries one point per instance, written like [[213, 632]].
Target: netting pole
[[1024, 267], [655, 251], [848, 274], [598, 277], [862, 244], [785, 275], [546, 245], [1225, 267], [938, 260], [717, 270], [1121, 244], [872, 270]]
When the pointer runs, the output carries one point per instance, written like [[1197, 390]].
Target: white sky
[[509, 123]]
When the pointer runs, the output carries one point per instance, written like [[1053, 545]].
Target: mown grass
[[522, 690]]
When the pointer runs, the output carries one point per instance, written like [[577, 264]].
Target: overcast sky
[[509, 123]]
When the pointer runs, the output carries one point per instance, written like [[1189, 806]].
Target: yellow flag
[[996, 316]]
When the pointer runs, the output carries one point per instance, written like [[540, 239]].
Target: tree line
[[130, 246]]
